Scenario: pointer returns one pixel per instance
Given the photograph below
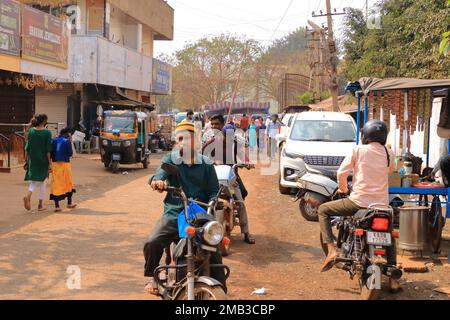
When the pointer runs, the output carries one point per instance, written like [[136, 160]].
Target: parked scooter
[[229, 191], [363, 243], [315, 188], [187, 273]]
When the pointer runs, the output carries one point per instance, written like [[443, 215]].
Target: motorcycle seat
[[329, 173], [361, 214]]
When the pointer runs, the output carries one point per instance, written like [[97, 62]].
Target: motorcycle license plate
[[116, 157], [379, 238]]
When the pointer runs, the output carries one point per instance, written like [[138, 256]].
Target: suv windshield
[[123, 124], [323, 130]]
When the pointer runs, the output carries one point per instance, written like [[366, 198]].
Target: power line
[[282, 18]]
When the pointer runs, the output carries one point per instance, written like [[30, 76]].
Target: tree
[[286, 55], [206, 71], [405, 46], [445, 43]]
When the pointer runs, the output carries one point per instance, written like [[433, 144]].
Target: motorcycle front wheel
[[204, 292], [226, 249], [308, 211]]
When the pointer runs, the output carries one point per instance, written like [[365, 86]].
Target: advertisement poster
[[10, 27], [45, 38], [162, 77]]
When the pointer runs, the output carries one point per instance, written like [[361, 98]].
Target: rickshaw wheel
[[115, 166], [145, 163]]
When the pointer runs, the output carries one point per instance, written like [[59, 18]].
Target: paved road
[[105, 235]]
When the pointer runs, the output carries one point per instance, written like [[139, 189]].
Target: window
[[122, 124], [323, 130]]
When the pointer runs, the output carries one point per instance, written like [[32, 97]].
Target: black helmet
[[375, 131]]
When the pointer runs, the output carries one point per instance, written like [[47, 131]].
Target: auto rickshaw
[[124, 138]]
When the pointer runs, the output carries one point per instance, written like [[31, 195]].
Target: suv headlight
[[105, 143], [127, 143], [213, 233]]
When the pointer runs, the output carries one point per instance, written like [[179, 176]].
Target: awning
[[376, 84], [118, 99]]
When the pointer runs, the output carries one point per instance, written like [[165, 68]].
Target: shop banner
[[162, 77], [10, 27], [45, 38]]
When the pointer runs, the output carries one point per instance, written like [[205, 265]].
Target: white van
[[319, 139]]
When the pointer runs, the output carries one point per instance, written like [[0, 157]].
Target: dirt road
[[105, 235]]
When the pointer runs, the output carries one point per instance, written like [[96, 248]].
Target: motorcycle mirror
[[170, 169]]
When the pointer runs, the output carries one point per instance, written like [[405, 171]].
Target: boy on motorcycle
[[199, 180], [371, 164], [223, 154]]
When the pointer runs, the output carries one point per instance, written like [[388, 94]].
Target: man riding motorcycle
[[371, 164], [223, 153], [199, 180]]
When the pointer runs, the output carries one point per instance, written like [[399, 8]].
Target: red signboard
[[45, 38]]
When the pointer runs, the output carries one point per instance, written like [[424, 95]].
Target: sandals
[[329, 263], [58, 210], [42, 209], [151, 287], [72, 206]]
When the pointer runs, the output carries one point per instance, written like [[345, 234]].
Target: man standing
[[245, 122], [189, 116], [199, 181], [273, 128], [223, 154]]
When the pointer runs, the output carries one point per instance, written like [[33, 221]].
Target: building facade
[[60, 57]]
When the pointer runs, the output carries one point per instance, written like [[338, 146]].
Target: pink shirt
[[369, 165]]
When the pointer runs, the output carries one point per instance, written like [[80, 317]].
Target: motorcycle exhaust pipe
[[394, 273]]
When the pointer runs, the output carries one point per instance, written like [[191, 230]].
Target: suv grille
[[324, 161]]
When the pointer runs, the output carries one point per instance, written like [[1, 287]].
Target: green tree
[[405, 46]]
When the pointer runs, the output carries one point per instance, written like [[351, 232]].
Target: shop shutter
[[54, 105]]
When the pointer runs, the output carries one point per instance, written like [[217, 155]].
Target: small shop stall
[[407, 106]]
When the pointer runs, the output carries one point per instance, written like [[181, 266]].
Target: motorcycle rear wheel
[[366, 293], [204, 292]]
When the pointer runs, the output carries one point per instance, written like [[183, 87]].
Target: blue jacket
[[62, 150]]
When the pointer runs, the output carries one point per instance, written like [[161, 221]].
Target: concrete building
[[60, 56]]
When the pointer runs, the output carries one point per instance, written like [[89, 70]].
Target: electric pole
[[332, 53]]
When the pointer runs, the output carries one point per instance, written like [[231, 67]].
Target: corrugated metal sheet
[[54, 103]]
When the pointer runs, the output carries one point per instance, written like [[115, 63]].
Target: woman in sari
[[38, 154]]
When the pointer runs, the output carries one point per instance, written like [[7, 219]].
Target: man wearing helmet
[[370, 164]]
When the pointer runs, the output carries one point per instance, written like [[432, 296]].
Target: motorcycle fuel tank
[[318, 183]]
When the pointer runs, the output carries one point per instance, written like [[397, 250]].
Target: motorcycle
[[317, 187], [186, 275], [363, 242], [229, 190]]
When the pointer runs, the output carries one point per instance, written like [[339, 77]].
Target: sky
[[262, 20]]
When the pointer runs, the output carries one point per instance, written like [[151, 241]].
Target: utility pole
[[332, 52]]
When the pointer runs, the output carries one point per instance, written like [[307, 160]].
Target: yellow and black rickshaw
[[124, 138]]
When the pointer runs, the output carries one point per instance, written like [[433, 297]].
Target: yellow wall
[[9, 63]]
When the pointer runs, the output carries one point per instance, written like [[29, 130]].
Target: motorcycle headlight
[[213, 233], [105, 143], [127, 143]]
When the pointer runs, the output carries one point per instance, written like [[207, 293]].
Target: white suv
[[320, 140]]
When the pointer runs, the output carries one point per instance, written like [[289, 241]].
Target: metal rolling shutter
[[54, 104]]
